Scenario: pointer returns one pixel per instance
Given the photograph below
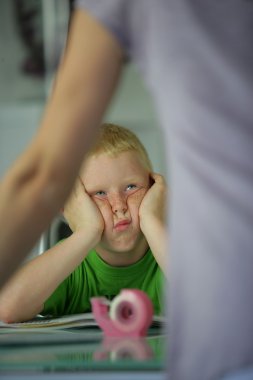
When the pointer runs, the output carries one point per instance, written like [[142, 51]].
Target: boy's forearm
[[24, 295], [157, 239], [153, 219]]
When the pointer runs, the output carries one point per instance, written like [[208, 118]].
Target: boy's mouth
[[122, 225]]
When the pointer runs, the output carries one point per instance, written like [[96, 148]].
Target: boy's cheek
[[137, 197]]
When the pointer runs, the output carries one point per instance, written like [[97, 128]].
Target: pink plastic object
[[130, 314]]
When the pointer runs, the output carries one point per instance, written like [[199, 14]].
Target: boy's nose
[[118, 204]]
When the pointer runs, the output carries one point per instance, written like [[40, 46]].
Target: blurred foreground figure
[[197, 59]]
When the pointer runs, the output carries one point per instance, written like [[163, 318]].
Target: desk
[[63, 354]]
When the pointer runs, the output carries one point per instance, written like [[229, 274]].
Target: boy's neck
[[122, 259]]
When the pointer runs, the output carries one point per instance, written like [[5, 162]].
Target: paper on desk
[[66, 322]]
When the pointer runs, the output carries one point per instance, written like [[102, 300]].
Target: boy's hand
[[82, 213], [153, 205], [152, 214]]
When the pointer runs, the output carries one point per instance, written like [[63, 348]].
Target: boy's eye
[[100, 193], [131, 186]]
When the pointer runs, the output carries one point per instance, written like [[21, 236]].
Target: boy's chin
[[118, 248], [123, 246]]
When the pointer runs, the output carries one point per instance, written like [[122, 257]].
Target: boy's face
[[117, 185]]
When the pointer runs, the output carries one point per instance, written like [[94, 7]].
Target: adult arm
[[37, 185]]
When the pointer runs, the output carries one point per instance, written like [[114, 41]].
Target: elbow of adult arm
[[54, 185], [43, 182]]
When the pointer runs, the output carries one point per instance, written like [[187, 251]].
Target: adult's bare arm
[[37, 185]]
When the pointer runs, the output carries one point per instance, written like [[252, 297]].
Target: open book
[[67, 322]]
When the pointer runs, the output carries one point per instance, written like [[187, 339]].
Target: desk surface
[[74, 352]]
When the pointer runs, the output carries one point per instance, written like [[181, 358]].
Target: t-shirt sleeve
[[112, 14]]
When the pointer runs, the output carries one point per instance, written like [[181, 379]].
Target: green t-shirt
[[93, 277]]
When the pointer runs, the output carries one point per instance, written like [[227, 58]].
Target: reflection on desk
[[79, 350]]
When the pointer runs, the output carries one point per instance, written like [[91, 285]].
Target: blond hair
[[114, 139]]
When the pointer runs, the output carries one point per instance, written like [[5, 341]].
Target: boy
[[116, 212]]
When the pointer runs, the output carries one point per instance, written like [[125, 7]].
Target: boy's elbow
[[11, 306], [12, 312], [8, 312]]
